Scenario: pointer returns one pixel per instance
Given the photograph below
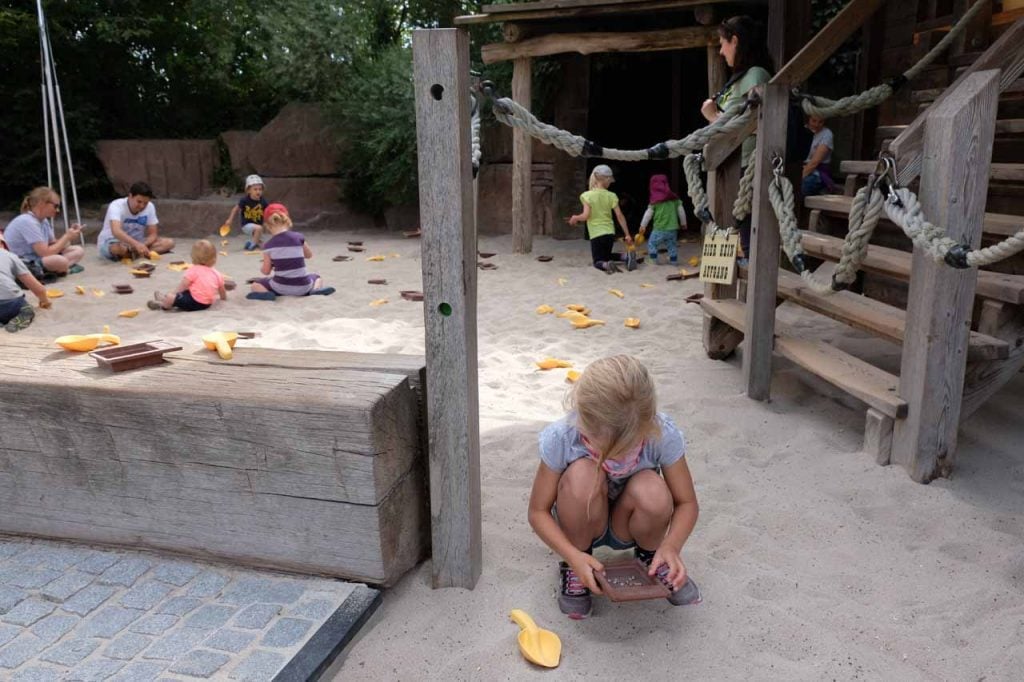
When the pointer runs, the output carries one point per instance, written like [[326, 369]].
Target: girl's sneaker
[[686, 595], [574, 599]]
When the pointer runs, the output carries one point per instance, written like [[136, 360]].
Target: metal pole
[[48, 71], [67, 145]]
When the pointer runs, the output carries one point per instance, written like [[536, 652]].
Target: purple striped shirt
[[287, 258]]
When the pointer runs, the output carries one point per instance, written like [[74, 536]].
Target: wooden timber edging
[[307, 461]]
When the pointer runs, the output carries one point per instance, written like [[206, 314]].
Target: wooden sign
[[718, 257]]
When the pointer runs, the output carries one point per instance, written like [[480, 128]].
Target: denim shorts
[[10, 308], [105, 248], [249, 228]]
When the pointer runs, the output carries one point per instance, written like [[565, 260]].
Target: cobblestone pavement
[[76, 613]]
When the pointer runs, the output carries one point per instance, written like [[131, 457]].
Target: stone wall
[[182, 169]]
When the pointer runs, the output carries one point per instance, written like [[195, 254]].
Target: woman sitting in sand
[[613, 472], [200, 286], [30, 235], [284, 255]]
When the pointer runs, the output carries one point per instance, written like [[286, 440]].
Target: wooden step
[[995, 224], [864, 381], [875, 317], [896, 263], [1014, 89], [1011, 126], [1011, 172]]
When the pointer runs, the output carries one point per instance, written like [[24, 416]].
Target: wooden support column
[[954, 182], [721, 339], [522, 163], [448, 248], [764, 245]]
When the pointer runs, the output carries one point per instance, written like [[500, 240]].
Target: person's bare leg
[[162, 245], [643, 511], [120, 250], [73, 254], [258, 288], [56, 263], [582, 503]]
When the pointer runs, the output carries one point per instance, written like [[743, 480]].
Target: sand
[[815, 563]]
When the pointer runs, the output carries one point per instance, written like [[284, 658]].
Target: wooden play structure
[[308, 461], [962, 331]]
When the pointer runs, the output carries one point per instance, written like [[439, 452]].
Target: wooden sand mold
[[309, 461]]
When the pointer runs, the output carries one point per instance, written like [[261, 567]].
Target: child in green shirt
[[666, 210], [598, 206]]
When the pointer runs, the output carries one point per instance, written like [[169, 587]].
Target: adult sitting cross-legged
[[30, 236], [130, 226]]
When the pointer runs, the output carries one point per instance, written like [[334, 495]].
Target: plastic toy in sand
[[222, 342], [633, 322], [81, 343], [552, 363], [537, 645]]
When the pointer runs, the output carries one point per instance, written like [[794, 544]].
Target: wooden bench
[[308, 461]]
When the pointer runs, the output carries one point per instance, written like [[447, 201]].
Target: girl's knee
[[580, 480], [650, 494]]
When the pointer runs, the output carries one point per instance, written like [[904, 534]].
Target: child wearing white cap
[[250, 211], [598, 206]]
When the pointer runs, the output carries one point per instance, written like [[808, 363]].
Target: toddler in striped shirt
[[284, 261]]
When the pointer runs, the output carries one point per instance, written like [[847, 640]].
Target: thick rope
[[742, 207], [513, 114], [905, 211], [474, 136], [695, 189], [829, 108], [864, 215]]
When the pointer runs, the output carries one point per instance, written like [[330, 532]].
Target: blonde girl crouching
[[613, 472]]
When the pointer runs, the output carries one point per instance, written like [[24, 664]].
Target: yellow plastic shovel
[[537, 646], [222, 342], [86, 342]]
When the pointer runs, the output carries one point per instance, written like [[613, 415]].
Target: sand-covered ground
[[814, 562]]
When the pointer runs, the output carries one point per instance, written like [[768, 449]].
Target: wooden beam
[[531, 11], [954, 183], [522, 162], [590, 43], [764, 246], [1006, 54], [441, 78], [800, 68], [878, 435], [720, 339]]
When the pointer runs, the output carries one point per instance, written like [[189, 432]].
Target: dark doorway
[[631, 107]]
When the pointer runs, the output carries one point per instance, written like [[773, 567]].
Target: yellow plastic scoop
[[537, 646], [86, 342], [222, 342]]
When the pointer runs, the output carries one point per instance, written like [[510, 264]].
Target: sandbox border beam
[[448, 256]]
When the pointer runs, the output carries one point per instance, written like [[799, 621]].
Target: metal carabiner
[[778, 166]]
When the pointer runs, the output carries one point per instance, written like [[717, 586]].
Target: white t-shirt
[[135, 224]]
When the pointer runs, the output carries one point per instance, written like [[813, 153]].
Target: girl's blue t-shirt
[[561, 444]]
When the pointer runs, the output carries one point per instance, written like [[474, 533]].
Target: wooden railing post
[[765, 245], [522, 162], [958, 135], [721, 339], [448, 252]]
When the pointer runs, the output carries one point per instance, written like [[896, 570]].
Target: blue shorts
[[105, 248], [10, 308]]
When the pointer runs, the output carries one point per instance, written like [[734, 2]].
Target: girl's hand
[[709, 109], [676, 569], [629, 239], [573, 219], [45, 303], [584, 565]]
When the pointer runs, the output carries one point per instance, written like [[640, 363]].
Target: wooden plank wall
[[317, 470]]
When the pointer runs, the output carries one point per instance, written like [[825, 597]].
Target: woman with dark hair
[[744, 49]]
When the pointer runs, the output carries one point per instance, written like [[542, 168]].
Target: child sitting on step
[[284, 256], [598, 206], [669, 216], [613, 472]]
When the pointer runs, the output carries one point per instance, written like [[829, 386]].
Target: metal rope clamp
[[884, 179]]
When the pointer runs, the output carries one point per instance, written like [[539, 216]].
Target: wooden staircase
[[994, 348]]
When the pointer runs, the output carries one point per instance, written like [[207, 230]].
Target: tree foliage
[[195, 68]]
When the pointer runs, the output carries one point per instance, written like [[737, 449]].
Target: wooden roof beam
[[590, 43], [574, 10]]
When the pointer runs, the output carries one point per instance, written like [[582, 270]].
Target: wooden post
[[448, 248], [954, 183], [764, 245], [522, 164]]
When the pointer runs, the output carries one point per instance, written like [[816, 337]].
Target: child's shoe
[[686, 595], [673, 260], [573, 598], [251, 246], [24, 318], [631, 260]]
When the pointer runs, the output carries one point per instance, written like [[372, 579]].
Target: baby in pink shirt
[[200, 286]]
